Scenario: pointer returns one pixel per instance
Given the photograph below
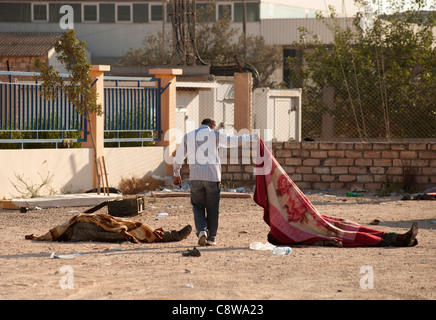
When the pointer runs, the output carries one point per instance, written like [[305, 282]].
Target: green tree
[[156, 50], [383, 74], [78, 87]]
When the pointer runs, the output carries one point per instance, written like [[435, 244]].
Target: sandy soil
[[228, 271]]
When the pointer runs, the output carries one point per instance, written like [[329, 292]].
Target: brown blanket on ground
[[129, 230]]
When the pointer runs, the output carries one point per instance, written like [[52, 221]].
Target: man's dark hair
[[207, 121]]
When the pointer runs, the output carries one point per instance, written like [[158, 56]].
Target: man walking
[[201, 148]]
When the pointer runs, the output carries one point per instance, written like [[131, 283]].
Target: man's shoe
[[408, 239], [202, 238], [211, 243], [192, 253], [184, 233], [174, 235], [411, 235]]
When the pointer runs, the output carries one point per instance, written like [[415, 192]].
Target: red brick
[[296, 177], [357, 170], [400, 163], [293, 161], [318, 154], [289, 169], [363, 146], [345, 162], [328, 178], [327, 145], [345, 146], [339, 170], [292, 145], [381, 146], [372, 154], [394, 170], [321, 170], [233, 168], [283, 153], [379, 178], [390, 154], [365, 178], [311, 162], [398, 146], [336, 153], [347, 178], [330, 162], [310, 145], [419, 163], [320, 185], [377, 170], [417, 146], [408, 155], [277, 145], [311, 177], [429, 171], [427, 155], [382, 162], [304, 170], [353, 154], [363, 162]]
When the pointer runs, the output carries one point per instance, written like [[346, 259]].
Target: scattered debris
[[419, 196], [162, 215], [375, 222], [64, 256], [225, 194], [191, 253]]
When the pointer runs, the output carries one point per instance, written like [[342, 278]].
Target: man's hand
[[177, 181]]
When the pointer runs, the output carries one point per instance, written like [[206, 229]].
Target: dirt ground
[[228, 271]]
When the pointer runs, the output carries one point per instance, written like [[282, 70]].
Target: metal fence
[[362, 113], [131, 113], [26, 117]]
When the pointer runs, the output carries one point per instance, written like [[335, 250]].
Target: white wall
[[72, 169], [69, 169], [134, 162]]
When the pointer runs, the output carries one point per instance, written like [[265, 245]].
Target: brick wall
[[340, 165], [24, 63]]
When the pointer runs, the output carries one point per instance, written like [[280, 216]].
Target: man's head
[[209, 122]]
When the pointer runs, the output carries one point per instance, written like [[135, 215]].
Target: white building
[[110, 27]]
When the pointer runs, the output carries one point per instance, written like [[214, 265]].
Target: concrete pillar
[[168, 111], [97, 122], [243, 101]]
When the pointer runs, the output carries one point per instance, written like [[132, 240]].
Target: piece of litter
[[63, 256], [188, 271], [190, 285], [162, 215]]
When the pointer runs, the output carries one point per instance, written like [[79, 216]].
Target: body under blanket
[[101, 227]]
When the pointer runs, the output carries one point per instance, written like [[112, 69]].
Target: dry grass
[[135, 185]]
